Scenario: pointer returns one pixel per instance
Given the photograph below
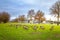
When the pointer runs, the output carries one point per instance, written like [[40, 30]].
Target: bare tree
[[30, 14], [55, 10], [39, 16]]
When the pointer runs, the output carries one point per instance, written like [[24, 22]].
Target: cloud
[[12, 18], [20, 7], [29, 2]]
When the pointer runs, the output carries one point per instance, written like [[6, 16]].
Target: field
[[16, 31]]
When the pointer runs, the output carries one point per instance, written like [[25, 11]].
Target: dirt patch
[[57, 35], [35, 33], [38, 39], [49, 39]]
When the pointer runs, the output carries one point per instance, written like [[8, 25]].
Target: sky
[[21, 7]]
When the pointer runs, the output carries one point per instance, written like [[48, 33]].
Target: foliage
[[22, 18], [4, 17]]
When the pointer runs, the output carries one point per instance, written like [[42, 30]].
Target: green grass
[[8, 32]]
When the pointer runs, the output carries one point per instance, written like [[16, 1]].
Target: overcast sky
[[20, 7]]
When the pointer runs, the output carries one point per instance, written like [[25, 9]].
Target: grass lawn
[[9, 31]]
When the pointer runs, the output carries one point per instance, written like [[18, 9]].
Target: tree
[[22, 18], [55, 10], [31, 14], [39, 16], [4, 17], [0, 17], [14, 20]]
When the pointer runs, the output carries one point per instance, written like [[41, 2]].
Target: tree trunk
[[39, 22], [58, 19], [58, 16]]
